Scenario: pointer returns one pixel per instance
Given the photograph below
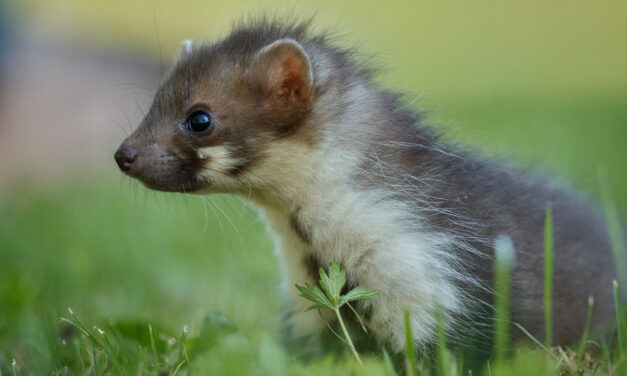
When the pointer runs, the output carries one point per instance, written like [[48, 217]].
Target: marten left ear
[[282, 72], [187, 47]]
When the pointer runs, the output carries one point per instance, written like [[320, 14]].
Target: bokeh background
[[542, 84]]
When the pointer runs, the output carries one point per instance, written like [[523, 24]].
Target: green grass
[[134, 257], [137, 268]]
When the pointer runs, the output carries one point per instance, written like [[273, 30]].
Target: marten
[[345, 172]]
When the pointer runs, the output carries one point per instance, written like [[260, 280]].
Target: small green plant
[[330, 296]]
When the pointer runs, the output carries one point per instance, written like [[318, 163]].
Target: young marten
[[345, 172]]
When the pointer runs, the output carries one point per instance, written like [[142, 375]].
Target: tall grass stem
[[412, 366], [153, 346], [548, 276], [443, 358], [586, 329], [614, 226], [619, 328], [503, 262]]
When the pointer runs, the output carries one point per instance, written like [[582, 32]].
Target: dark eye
[[199, 122]]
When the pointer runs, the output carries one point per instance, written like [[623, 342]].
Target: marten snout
[[125, 157], [159, 168]]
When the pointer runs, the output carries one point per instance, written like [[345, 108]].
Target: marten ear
[[282, 72], [187, 46]]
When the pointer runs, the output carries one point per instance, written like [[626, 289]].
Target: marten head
[[220, 110]]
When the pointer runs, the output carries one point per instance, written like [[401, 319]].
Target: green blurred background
[[543, 84]]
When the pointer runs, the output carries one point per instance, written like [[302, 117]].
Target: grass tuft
[[103, 345]]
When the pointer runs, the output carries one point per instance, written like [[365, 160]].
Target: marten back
[[345, 172]]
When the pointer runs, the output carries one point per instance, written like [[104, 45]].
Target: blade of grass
[[153, 346], [548, 275], [79, 325], [504, 259], [14, 368], [614, 227], [424, 363], [443, 358], [530, 336], [584, 337], [176, 371], [619, 328], [388, 366], [410, 359], [459, 361], [608, 358], [106, 341], [141, 358], [110, 351], [182, 350]]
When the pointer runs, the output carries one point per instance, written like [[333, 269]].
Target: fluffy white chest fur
[[319, 212]]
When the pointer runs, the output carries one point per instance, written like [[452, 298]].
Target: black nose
[[125, 158]]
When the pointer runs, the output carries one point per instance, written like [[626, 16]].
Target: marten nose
[[125, 158]]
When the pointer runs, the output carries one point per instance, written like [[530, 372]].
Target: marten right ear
[[282, 73]]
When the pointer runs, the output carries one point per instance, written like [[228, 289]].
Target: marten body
[[345, 173]]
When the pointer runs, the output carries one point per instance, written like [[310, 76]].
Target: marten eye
[[199, 121]]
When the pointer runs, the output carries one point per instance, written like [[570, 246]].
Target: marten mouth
[[178, 186], [170, 177]]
